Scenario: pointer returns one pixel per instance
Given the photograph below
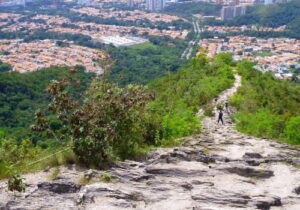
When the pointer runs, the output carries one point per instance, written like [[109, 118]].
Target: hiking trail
[[217, 169]]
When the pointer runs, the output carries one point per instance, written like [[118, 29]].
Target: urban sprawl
[[277, 55]]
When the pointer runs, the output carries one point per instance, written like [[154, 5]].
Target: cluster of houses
[[27, 57], [277, 55]]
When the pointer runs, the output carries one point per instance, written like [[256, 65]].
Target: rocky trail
[[217, 169]]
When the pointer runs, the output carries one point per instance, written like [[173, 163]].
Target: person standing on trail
[[226, 106], [220, 117]]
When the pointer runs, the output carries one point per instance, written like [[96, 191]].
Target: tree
[[5, 67], [107, 123]]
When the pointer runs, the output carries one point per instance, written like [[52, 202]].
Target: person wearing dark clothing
[[220, 117], [226, 106]]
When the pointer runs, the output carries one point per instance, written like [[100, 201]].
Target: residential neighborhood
[[128, 14], [229, 29], [27, 57], [95, 31], [277, 55]]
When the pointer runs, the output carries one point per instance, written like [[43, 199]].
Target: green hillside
[[22, 94], [274, 15], [267, 107], [108, 122]]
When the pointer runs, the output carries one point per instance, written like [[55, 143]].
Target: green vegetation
[[263, 54], [111, 123], [63, 9], [143, 63], [22, 157], [273, 15], [179, 96], [267, 107], [15, 183], [105, 122], [108, 123], [4, 67], [186, 10], [106, 177], [22, 94]]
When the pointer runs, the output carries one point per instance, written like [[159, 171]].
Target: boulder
[[252, 155], [297, 190], [267, 202]]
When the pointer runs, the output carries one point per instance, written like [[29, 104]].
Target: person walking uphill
[[226, 106], [220, 117]]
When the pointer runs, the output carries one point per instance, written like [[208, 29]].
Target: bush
[[263, 123], [180, 122], [107, 123], [15, 183], [209, 110], [291, 131]]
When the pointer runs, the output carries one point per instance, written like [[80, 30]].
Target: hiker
[[226, 106], [220, 117]]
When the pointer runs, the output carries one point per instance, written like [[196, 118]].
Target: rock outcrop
[[217, 169]]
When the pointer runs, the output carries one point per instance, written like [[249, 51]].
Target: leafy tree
[[107, 123], [4, 67]]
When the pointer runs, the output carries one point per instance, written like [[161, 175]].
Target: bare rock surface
[[217, 169]]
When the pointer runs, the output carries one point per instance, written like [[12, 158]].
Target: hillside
[[267, 107], [273, 15], [152, 121], [22, 94], [217, 169]]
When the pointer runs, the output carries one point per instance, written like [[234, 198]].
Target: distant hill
[[273, 16], [187, 10]]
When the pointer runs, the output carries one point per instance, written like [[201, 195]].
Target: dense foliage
[[108, 123], [5, 67], [142, 63], [112, 122], [22, 94], [267, 107], [180, 95]]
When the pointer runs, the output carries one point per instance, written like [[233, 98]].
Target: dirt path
[[217, 169]]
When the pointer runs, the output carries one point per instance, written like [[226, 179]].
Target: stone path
[[217, 169]]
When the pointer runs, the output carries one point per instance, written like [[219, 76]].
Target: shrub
[[15, 183], [291, 131], [180, 122], [108, 122], [209, 110], [106, 177], [263, 123]]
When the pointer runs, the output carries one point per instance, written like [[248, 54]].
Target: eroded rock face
[[250, 172], [59, 187], [217, 169], [252, 155]]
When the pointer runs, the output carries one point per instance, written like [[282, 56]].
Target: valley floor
[[217, 169]]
